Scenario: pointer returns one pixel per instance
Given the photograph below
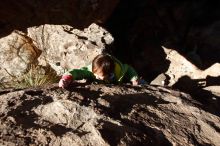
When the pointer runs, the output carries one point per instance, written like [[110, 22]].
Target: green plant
[[36, 76]]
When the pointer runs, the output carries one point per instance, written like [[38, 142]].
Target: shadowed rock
[[89, 114]]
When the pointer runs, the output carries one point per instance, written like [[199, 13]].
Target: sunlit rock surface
[[17, 53], [90, 114], [64, 47], [59, 47]]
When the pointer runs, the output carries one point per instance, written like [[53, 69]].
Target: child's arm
[[82, 73], [131, 75], [75, 74]]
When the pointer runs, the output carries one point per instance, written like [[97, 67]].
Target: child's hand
[[135, 82], [65, 81], [139, 81]]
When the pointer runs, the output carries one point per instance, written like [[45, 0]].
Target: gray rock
[[17, 53], [180, 66], [59, 47], [64, 47], [105, 115]]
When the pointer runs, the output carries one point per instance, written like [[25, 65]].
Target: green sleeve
[[82, 73], [131, 74]]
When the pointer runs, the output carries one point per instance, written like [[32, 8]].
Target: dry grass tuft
[[36, 76]]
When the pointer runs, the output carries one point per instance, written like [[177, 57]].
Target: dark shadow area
[[141, 27], [60, 130], [5, 91], [19, 15], [212, 81], [132, 41], [209, 101]]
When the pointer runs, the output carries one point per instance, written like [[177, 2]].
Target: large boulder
[[17, 53], [59, 47], [180, 66], [105, 115], [188, 78], [64, 47]]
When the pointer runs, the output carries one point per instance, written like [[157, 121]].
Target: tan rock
[[144, 115], [71, 48], [17, 52], [180, 67]]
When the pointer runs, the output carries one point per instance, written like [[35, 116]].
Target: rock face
[[62, 31], [64, 47], [17, 53], [50, 27], [180, 66], [60, 46], [105, 115], [202, 85]]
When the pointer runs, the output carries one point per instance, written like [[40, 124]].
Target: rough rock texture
[[64, 47], [180, 66], [53, 21], [202, 85], [105, 115], [17, 53], [60, 46], [139, 28]]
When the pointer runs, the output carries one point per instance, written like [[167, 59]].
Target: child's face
[[100, 75]]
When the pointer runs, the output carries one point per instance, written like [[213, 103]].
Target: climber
[[104, 69]]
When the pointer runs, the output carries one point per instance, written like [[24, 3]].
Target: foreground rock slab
[[101, 115]]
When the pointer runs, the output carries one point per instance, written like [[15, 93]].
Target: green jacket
[[122, 73]]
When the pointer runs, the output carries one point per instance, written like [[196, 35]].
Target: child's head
[[103, 66]]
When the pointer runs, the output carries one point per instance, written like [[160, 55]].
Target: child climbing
[[104, 68]]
